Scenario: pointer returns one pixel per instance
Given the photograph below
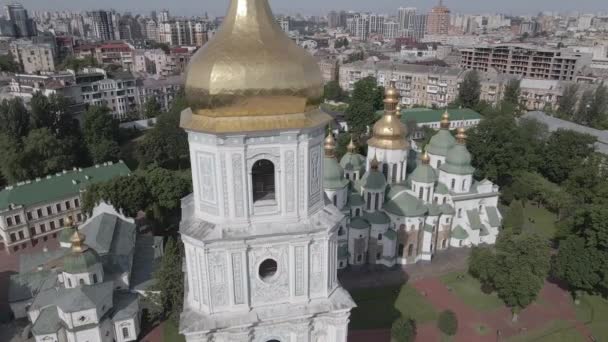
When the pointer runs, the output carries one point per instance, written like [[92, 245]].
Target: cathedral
[[274, 215], [395, 217]]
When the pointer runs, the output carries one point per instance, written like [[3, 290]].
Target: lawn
[[171, 333], [378, 308], [554, 331], [468, 289], [593, 311], [540, 220]]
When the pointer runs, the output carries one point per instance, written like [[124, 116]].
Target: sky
[[307, 7]]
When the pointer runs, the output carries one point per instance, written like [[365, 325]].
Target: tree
[[8, 64], [52, 112], [564, 152], [366, 99], [45, 154], [129, 194], [470, 90], [447, 322], [332, 91], [78, 64], [598, 107], [567, 103], [512, 92], [583, 113], [14, 118], [166, 190], [101, 134], [403, 330], [514, 220], [367, 90], [104, 150], [169, 279], [482, 265], [152, 107]]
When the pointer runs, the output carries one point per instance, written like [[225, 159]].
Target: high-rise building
[[333, 19], [103, 25], [164, 16], [419, 26], [438, 20], [391, 30], [22, 25], [376, 23], [406, 20]]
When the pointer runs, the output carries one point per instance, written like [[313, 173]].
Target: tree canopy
[[366, 99], [470, 90]]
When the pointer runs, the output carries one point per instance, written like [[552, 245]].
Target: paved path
[[155, 335]]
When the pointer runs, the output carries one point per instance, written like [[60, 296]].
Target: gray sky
[[218, 7]]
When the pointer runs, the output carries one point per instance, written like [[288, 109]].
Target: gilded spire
[[461, 136], [391, 98], [426, 160], [351, 146], [389, 133], [375, 163], [445, 120], [330, 145], [77, 241]]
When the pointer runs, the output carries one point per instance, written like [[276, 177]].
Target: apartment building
[[35, 210], [182, 33], [163, 89], [34, 58], [329, 68], [158, 62], [117, 53], [117, 91], [525, 60]]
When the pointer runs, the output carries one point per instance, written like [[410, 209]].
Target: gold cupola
[[251, 77], [389, 132], [330, 145]]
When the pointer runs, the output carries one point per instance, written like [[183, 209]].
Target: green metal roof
[[377, 217], [434, 209], [343, 251], [458, 161], [58, 186], [66, 234], [374, 180], [359, 223], [333, 174], [493, 217], [424, 115], [404, 204], [390, 234], [355, 199], [447, 209], [474, 219], [428, 228], [441, 189], [441, 143], [353, 162], [424, 174], [48, 322], [80, 262], [459, 233]]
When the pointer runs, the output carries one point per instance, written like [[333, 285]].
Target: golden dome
[[445, 120], [426, 160], [351, 146], [398, 109], [330, 145], [252, 77], [461, 136], [77, 241], [68, 222], [389, 132]]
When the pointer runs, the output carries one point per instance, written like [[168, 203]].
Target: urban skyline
[[317, 7]]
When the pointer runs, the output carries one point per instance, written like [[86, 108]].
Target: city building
[[525, 60], [417, 118], [164, 89], [158, 62], [406, 16], [34, 210], [438, 20], [117, 91], [116, 53], [18, 22], [260, 237], [329, 68], [391, 30], [182, 33], [104, 25], [88, 289], [33, 57]]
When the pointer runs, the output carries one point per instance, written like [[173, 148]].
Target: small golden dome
[[461, 136], [426, 160], [250, 76], [68, 222], [389, 132], [77, 241], [330, 145], [374, 164], [445, 120], [398, 109], [351, 146]]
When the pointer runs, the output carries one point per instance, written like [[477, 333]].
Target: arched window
[[125, 332], [262, 175], [410, 250], [394, 175], [347, 175], [453, 184], [69, 282], [445, 199], [340, 231], [402, 227], [438, 163], [336, 200], [359, 257], [94, 278], [428, 194], [81, 281], [385, 170], [420, 192], [435, 200], [377, 200], [444, 243], [460, 243], [369, 200], [379, 237], [357, 212], [401, 247], [464, 184], [460, 212]]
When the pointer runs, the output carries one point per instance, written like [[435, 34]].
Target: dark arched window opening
[[377, 201], [453, 184], [94, 278], [421, 192], [369, 200], [394, 175], [262, 175], [401, 247], [444, 243], [340, 231], [357, 212], [335, 200], [438, 163], [410, 250], [385, 170]]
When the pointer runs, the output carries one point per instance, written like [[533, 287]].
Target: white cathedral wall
[[457, 180], [92, 334], [46, 338], [221, 175], [436, 160], [341, 196]]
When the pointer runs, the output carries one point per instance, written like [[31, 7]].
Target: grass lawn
[[555, 331], [544, 220], [593, 311], [170, 332], [468, 289], [378, 308]]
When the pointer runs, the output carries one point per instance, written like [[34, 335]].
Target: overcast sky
[[218, 7]]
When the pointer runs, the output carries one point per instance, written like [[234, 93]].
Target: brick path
[[154, 335]]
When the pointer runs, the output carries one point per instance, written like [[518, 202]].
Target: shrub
[[448, 323], [487, 288], [403, 330]]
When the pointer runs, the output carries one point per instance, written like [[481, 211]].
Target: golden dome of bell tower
[[389, 132], [252, 77]]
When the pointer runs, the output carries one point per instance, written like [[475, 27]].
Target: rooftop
[[423, 115]]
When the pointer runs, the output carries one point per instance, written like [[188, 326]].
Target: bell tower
[[260, 237]]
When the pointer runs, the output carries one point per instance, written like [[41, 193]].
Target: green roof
[[333, 174], [80, 262], [441, 189], [359, 223], [353, 162], [424, 173], [390, 234], [434, 209], [404, 204], [424, 115], [474, 219], [343, 251], [458, 161], [493, 217], [441, 143], [428, 228], [459, 233], [66, 234], [355, 200], [374, 180], [377, 217], [48, 322], [59, 186], [447, 209]]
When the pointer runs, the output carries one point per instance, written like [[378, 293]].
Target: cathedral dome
[[443, 140], [250, 76], [82, 258], [333, 174], [424, 173], [459, 159], [389, 132], [352, 161]]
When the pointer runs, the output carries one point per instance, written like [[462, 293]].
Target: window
[[81, 281], [13, 237], [67, 205], [268, 268], [76, 203], [52, 224], [32, 231], [21, 235], [401, 247], [410, 250], [444, 243], [79, 217], [379, 237], [58, 206], [369, 201], [94, 278], [394, 175], [460, 212], [340, 231], [49, 210], [17, 219], [335, 200], [436, 199], [377, 201], [60, 222], [39, 213], [69, 282], [447, 220], [385, 170], [453, 184], [262, 175], [445, 199], [125, 332], [420, 192], [9, 221], [359, 257], [378, 255], [464, 184], [42, 228], [357, 212], [29, 215]]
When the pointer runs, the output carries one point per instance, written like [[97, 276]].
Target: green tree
[[129, 194], [14, 118], [14, 163], [470, 90], [52, 112], [45, 154], [577, 264], [598, 107], [8, 64], [366, 99], [166, 190], [567, 103], [565, 151], [169, 280], [514, 220], [332, 91], [448, 322], [482, 265], [152, 107], [101, 134], [367, 90], [583, 113], [403, 330], [512, 93]]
